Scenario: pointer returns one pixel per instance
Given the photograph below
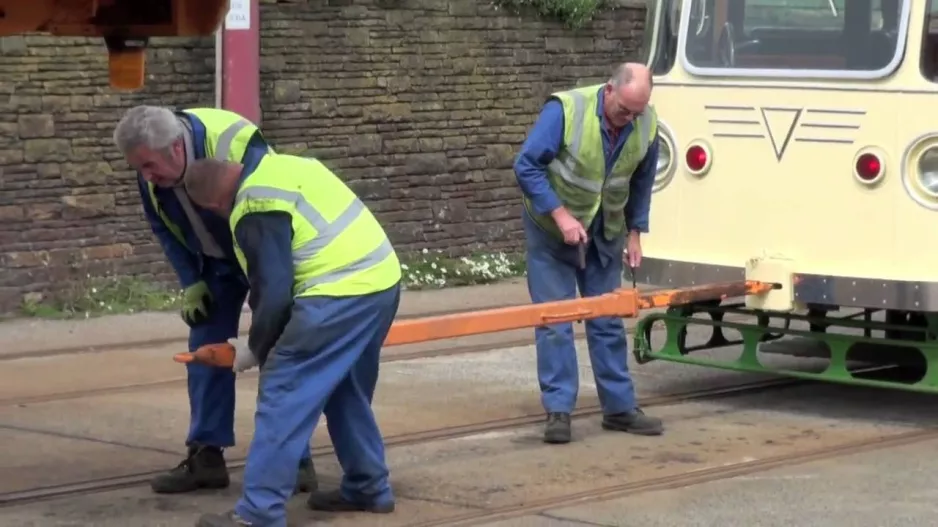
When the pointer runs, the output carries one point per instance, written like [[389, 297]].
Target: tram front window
[[730, 37], [660, 34], [930, 43]]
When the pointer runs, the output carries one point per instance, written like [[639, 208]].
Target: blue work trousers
[[326, 361], [553, 274], [212, 390]]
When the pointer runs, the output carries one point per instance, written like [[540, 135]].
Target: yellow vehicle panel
[[782, 183]]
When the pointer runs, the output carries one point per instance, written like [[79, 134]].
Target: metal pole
[[219, 65], [241, 60]]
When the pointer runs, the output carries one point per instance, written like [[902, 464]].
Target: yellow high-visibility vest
[[578, 173], [339, 248]]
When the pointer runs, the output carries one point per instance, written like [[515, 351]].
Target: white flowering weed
[[109, 294], [434, 270], [92, 296]]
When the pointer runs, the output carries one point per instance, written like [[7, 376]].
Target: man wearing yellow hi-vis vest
[[586, 173], [160, 144], [325, 287]]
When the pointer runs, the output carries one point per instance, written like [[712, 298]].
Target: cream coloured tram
[[799, 145]]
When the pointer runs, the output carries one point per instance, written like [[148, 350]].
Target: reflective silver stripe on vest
[[644, 127], [326, 232], [615, 205], [565, 166], [641, 125], [210, 246], [227, 137], [373, 258]]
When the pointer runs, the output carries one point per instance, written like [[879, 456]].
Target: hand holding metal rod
[[632, 269]]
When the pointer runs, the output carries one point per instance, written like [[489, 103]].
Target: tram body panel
[[791, 196], [783, 177]]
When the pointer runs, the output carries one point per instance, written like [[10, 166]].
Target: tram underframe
[[865, 347]]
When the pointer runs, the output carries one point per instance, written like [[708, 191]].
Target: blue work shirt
[[541, 147], [266, 239], [190, 265]]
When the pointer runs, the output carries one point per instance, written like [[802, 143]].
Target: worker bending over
[[159, 144], [586, 171], [325, 287]]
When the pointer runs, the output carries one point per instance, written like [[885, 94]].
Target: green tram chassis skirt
[[761, 329]]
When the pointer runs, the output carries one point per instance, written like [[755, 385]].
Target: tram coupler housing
[[776, 270]]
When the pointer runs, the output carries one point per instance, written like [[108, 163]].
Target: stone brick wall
[[419, 104], [422, 104], [68, 204]]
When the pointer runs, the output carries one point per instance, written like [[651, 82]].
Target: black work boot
[[203, 468], [634, 422], [306, 480], [557, 430], [334, 502], [228, 519]]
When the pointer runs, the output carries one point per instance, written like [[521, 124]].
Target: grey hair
[[153, 127]]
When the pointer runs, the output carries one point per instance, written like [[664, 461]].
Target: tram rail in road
[[438, 349], [10, 499], [684, 479]]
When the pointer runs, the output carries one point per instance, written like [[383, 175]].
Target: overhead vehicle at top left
[[125, 25]]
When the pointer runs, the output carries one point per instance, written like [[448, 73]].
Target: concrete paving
[[895, 488], [25, 337], [53, 352], [413, 396], [35, 377], [33, 336], [76, 417], [447, 480]]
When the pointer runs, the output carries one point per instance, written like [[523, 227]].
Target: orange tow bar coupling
[[625, 303]]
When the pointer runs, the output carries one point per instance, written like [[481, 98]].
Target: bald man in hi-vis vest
[[326, 286], [586, 172]]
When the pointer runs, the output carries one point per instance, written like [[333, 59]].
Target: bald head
[[212, 184], [632, 73], [627, 93]]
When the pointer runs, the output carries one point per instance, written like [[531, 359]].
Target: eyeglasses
[[627, 112]]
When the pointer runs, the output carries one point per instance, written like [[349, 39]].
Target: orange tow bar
[[624, 303]]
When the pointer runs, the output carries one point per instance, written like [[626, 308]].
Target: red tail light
[[869, 166], [696, 158]]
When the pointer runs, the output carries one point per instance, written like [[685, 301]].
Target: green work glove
[[196, 301]]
